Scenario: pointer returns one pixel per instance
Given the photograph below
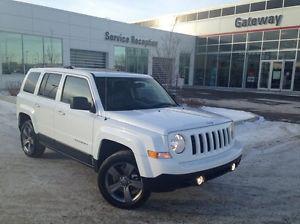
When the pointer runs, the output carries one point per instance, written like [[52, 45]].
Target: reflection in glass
[[287, 75], [287, 54], [184, 67], [270, 45], [223, 70], [271, 35], [285, 44], [11, 53], [237, 66], [53, 52], [289, 34], [211, 70], [253, 60], [33, 52], [200, 61], [297, 74], [264, 75], [119, 53]]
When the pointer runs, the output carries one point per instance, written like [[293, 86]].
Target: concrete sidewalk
[[273, 107]]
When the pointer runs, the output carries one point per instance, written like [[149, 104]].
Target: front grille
[[207, 142]]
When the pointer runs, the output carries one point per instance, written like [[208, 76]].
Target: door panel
[[74, 127], [287, 74]]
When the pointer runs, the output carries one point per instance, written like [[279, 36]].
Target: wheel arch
[[22, 118]]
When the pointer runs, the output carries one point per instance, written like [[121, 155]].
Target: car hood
[[167, 120]]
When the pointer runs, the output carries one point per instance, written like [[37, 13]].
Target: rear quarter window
[[31, 82]]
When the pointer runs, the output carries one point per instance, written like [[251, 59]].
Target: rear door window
[[49, 85], [31, 82]]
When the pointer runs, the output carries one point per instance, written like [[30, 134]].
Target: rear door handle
[[37, 105], [61, 113]]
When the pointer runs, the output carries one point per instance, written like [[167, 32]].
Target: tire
[[120, 183], [29, 141]]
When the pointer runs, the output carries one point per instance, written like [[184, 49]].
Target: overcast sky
[[129, 10]]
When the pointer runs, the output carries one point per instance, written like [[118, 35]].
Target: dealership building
[[253, 45]]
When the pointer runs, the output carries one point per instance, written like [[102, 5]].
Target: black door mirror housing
[[80, 103]]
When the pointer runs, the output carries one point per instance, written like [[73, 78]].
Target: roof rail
[[69, 67]]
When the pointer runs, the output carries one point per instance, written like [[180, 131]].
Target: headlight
[[177, 144]]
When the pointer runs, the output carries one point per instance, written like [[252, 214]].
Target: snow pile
[[236, 115]]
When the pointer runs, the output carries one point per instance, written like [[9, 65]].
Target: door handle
[[61, 113], [37, 105]]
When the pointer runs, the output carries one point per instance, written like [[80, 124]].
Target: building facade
[[251, 45], [37, 36]]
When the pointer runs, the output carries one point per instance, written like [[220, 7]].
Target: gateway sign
[[258, 21], [132, 40]]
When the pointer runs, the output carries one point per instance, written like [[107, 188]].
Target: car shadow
[[49, 154]]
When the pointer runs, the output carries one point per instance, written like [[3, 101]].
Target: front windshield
[[129, 93]]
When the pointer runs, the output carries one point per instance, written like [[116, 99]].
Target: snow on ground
[[235, 115]]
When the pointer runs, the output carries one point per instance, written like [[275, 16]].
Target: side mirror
[[80, 103]]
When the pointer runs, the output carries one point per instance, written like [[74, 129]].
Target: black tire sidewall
[[122, 156]]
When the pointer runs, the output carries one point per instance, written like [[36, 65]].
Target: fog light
[[233, 166], [200, 180]]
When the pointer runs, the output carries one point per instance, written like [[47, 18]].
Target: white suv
[[127, 128]]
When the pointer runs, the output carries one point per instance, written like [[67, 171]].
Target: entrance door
[[276, 75]]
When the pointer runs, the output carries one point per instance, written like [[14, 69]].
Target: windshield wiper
[[164, 105]]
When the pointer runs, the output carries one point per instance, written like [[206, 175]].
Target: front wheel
[[120, 183], [30, 142]]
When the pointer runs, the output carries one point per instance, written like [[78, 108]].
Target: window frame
[[63, 83]]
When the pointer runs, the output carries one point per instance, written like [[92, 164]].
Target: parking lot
[[54, 189]]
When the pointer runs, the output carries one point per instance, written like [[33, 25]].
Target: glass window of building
[[182, 18], [258, 6], [225, 47], [289, 34], [288, 3], [285, 55], [203, 15], [33, 51], [242, 8], [271, 35], [297, 74], [201, 49], [53, 52], [252, 72], [270, 45], [184, 67], [223, 70], [238, 47], [200, 61], [11, 53], [214, 13], [212, 48], [228, 11], [254, 46], [131, 59], [237, 68], [239, 38], [192, 17], [286, 44], [255, 36], [211, 70], [201, 40], [269, 55], [273, 4], [213, 40], [226, 39]]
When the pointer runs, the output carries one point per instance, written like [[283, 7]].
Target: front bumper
[[169, 182]]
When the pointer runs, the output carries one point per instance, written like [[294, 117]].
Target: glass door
[[287, 75], [264, 74], [276, 75]]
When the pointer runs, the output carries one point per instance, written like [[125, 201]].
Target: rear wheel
[[30, 142], [120, 183]]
